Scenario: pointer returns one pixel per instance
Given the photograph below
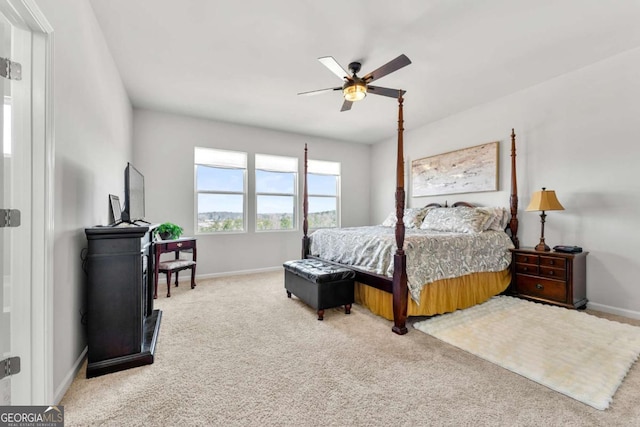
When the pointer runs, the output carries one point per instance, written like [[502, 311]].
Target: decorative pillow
[[499, 218], [456, 220], [412, 218]]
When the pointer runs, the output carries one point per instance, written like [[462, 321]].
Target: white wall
[[577, 134], [92, 121], [163, 152]]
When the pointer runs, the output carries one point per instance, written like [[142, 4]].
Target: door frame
[[39, 293]]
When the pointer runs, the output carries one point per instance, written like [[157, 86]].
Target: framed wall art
[[469, 170]]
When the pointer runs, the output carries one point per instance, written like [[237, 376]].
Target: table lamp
[[544, 200]]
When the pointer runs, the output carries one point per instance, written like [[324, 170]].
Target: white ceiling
[[244, 61]]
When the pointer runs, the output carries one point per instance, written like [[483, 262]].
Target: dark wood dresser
[[122, 327], [550, 277]]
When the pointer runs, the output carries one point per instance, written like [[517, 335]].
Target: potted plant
[[169, 231]]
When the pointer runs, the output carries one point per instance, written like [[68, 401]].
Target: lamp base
[[542, 247]]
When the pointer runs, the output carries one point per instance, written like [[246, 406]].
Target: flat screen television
[[133, 195]]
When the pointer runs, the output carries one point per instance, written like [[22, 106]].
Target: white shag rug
[[582, 356]]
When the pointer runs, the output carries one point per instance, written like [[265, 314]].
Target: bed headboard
[[455, 205]]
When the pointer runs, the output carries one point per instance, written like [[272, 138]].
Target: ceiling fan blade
[[332, 64], [389, 67], [319, 91], [346, 105], [384, 91]]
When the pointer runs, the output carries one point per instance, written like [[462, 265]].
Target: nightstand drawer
[[542, 288], [526, 268], [527, 259], [553, 273], [553, 262]]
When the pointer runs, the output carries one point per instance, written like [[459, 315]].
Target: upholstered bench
[[319, 284]]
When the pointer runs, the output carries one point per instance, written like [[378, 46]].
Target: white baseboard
[[71, 375], [614, 310], [233, 273]]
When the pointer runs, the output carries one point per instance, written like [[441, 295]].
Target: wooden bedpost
[[400, 289], [305, 210], [513, 224]]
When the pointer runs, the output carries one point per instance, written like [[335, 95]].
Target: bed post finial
[[513, 224], [400, 289], [305, 209]]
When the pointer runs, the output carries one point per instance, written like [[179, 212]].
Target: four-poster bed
[[388, 294]]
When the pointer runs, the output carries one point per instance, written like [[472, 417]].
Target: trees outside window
[[276, 196], [221, 187], [323, 180]]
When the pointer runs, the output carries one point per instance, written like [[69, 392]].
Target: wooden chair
[[175, 266], [168, 267]]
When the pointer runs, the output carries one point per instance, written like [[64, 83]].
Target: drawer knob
[[551, 273], [539, 286], [525, 268], [550, 262], [526, 258]]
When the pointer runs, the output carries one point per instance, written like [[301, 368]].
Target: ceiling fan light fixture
[[355, 91]]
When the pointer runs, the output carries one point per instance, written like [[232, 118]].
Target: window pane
[[220, 179], [322, 184], [220, 212], [275, 213], [274, 182], [323, 212]]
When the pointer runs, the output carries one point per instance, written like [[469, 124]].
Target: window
[[276, 201], [323, 189], [221, 186]]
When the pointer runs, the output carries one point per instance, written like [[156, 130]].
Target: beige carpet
[[237, 352], [574, 353]]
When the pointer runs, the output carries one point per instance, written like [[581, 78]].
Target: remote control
[[568, 249]]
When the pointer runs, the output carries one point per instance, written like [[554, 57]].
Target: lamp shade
[[544, 200]]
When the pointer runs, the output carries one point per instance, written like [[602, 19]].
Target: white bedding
[[431, 255]]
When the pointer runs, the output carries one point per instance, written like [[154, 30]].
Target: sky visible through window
[[222, 179], [274, 182]]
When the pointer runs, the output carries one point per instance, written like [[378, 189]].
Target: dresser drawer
[[542, 288]]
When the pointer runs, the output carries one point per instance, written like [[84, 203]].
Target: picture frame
[[468, 170], [116, 210]]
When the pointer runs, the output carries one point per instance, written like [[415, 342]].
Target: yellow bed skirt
[[439, 297]]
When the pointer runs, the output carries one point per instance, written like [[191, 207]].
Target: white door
[[5, 320], [15, 217]]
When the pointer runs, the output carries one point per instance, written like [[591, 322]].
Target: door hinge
[[10, 70], [9, 366], [9, 218]]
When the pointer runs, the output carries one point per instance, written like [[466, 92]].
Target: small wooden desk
[[177, 245]]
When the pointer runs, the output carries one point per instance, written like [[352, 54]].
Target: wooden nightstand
[[551, 277]]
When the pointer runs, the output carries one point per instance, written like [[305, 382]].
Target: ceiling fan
[[356, 88]]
